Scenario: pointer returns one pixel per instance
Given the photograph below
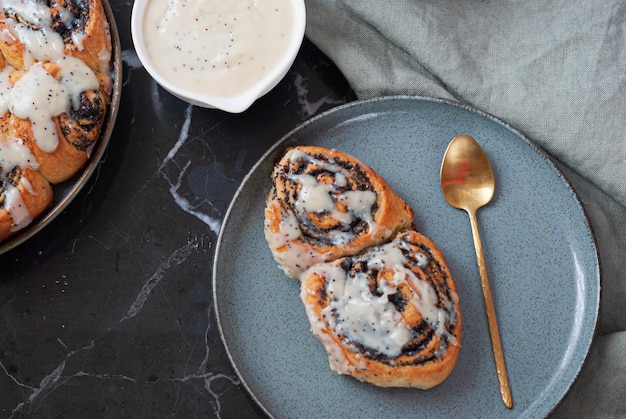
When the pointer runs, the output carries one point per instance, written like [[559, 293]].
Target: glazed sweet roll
[[43, 30], [24, 192], [389, 316], [55, 94], [325, 204], [58, 110]]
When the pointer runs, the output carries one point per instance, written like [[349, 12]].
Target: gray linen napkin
[[556, 71]]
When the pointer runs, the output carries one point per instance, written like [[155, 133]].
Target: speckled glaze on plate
[[540, 253], [64, 193]]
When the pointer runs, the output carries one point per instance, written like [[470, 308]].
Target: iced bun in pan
[[55, 93], [24, 192], [35, 30], [61, 141]]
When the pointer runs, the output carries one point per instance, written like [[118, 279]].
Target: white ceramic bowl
[[233, 104]]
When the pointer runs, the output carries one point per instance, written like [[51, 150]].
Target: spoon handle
[[494, 334]]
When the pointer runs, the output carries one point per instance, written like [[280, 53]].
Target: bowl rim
[[233, 104]]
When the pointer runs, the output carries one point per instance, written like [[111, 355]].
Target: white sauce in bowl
[[217, 47]]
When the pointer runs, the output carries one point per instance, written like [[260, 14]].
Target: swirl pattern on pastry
[[42, 30], [59, 132], [325, 204], [23, 190], [55, 93], [389, 316]]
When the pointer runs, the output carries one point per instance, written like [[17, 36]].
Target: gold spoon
[[467, 182]]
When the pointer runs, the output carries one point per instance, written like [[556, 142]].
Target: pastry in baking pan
[[24, 192], [59, 133], [389, 316], [55, 94], [325, 204], [36, 30]]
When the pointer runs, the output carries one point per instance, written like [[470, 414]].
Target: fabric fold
[[556, 71]]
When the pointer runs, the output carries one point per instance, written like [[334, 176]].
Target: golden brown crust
[[82, 126], [76, 131], [349, 223], [36, 195], [10, 46], [339, 227], [431, 353], [82, 27], [57, 166], [89, 25], [95, 48]]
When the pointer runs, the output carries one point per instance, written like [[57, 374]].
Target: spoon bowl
[[467, 178], [468, 183]]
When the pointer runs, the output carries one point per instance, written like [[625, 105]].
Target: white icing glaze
[[364, 318], [340, 180], [42, 45], [313, 196], [293, 257], [319, 197], [372, 320], [5, 88], [45, 44], [14, 204], [14, 153], [34, 12], [344, 206], [77, 36], [38, 97], [65, 15], [76, 77], [28, 91], [296, 154], [221, 48], [360, 204], [336, 356]]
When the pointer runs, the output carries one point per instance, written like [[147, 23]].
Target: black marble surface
[[108, 312]]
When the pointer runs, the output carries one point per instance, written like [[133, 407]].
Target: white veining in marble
[[130, 58], [174, 185], [72, 366], [176, 258], [48, 383], [311, 107]]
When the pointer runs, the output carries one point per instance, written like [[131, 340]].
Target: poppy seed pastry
[[55, 94], [76, 28], [60, 143], [389, 316], [24, 192], [379, 295], [325, 204]]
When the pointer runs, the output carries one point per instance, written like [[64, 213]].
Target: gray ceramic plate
[[65, 192], [540, 254]]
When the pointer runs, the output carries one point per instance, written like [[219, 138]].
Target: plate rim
[[360, 102], [79, 180]]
